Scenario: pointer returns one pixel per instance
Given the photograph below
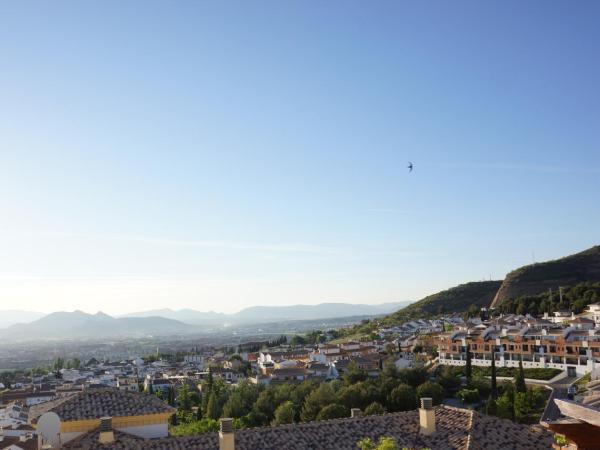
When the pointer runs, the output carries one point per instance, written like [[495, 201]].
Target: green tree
[[353, 396], [520, 378], [483, 385], [473, 311], [468, 395], [385, 443], [449, 379], [413, 377], [184, 399], [316, 400], [374, 408], [332, 411], [433, 390], [207, 387], [234, 407], [506, 403], [494, 382], [354, 374], [298, 341], [490, 407], [171, 396], [468, 367], [402, 398], [213, 408], [285, 413], [265, 403], [194, 428]]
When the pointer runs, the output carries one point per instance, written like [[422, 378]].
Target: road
[[559, 390]]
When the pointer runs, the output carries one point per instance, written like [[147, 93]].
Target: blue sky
[[217, 155]]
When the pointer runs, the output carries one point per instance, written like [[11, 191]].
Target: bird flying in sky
[[410, 166]]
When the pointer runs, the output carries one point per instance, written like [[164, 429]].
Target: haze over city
[[217, 156]]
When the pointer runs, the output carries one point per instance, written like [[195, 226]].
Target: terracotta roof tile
[[96, 403], [456, 429]]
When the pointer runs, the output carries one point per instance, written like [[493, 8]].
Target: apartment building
[[573, 345]]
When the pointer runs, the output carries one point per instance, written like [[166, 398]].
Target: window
[[525, 347]]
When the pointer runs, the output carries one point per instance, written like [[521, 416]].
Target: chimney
[[107, 436], [427, 416], [355, 413], [226, 435]]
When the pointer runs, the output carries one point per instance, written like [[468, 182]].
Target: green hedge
[[534, 374]]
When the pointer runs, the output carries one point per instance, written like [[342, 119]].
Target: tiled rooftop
[[456, 429], [96, 403]]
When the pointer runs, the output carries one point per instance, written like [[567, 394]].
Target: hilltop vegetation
[[574, 299], [540, 277]]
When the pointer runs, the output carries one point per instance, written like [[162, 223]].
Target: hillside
[[540, 277], [454, 300]]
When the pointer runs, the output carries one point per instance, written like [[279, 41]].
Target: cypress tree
[[491, 408], [212, 409], [468, 367], [171, 396], [520, 378], [494, 384]]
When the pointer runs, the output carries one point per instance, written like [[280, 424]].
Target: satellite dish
[[48, 426]]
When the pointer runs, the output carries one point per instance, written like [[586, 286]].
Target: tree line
[[252, 405], [575, 298]]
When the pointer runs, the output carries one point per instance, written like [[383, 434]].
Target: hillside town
[[131, 400]]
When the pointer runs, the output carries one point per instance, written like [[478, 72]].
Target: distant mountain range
[[265, 314], [164, 322], [78, 324]]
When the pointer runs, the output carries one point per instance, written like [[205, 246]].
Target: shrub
[[333, 411], [433, 390], [374, 409], [468, 395], [402, 398]]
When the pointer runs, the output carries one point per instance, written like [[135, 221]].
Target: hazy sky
[[216, 155]]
